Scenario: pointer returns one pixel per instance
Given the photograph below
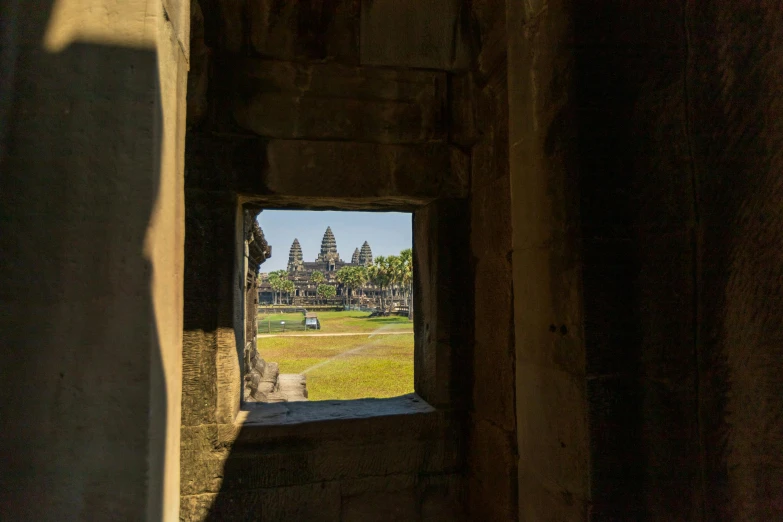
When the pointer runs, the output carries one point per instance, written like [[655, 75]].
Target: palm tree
[[380, 276], [288, 287], [352, 277], [406, 257], [277, 280], [317, 278]]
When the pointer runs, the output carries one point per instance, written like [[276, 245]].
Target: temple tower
[[295, 260], [329, 253], [365, 256], [355, 257]]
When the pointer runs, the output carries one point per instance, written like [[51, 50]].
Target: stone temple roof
[[295, 254], [365, 256], [328, 243], [355, 257]]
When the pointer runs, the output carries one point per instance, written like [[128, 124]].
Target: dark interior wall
[[638, 228], [733, 85], [479, 125], [678, 132]]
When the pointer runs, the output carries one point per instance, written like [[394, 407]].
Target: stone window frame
[[226, 172], [442, 320]]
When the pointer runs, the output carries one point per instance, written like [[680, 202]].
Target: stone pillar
[[91, 233]]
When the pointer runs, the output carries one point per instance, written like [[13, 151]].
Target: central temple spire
[[328, 243], [329, 253]]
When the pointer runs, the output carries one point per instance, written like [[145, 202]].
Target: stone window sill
[[294, 413]]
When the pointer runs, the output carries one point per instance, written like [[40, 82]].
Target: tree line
[[391, 275]]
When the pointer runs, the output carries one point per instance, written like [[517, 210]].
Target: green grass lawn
[[347, 367], [343, 322]]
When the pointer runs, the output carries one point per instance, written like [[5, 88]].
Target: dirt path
[[338, 334]]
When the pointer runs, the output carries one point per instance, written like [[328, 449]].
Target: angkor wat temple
[[327, 263]]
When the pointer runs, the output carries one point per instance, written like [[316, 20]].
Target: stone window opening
[[364, 347]]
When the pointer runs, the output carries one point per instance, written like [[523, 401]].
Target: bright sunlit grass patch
[[342, 322], [346, 367]]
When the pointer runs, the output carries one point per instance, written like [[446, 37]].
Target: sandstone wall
[[480, 128], [732, 91], [91, 148], [663, 122], [288, 108], [551, 394]]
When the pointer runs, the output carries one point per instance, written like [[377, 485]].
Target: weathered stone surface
[[405, 175], [491, 154], [254, 468], [199, 378], [331, 101], [298, 167], [412, 34], [356, 487], [539, 501], [491, 220], [488, 20], [556, 447], [198, 76], [386, 506], [550, 333], [491, 481], [442, 498], [493, 352], [462, 94], [733, 81], [443, 329], [301, 30]]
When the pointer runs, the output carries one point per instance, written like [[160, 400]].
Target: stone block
[[492, 476], [665, 291], [616, 451], [462, 93], [385, 506], [198, 76], [299, 30], [328, 173], [243, 506], [230, 17], [611, 321], [459, 173], [493, 353], [539, 501], [491, 153], [229, 376], [196, 508], [398, 482], [317, 502], [441, 498], [491, 220], [366, 170], [548, 307], [444, 325], [491, 46], [554, 448], [331, 101], [199, 439], [199, 378], [201, 472], [414, 35]]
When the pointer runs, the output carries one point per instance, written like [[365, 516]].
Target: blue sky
[[387, 233]]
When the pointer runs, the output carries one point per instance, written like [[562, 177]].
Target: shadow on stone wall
[[80, 168]]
